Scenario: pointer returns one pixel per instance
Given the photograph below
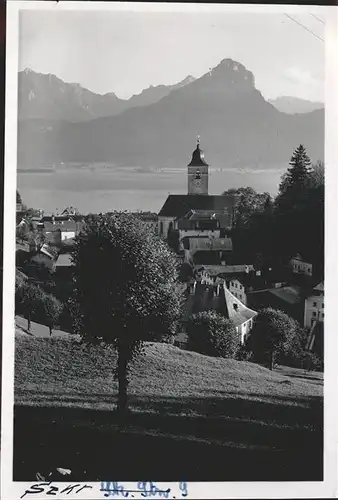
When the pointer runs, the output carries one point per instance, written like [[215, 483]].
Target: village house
[[289, 299], [45, 255], [226, 272], [207, 250], [202, 296], [58, 232], [238, 289], [61, 228], [300, 266], [250, 281], [63, 266], [203, 223], [314, 306]]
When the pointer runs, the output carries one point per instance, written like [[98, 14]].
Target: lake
[[98, 188]]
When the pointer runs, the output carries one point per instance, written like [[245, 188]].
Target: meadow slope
[[221, 419]]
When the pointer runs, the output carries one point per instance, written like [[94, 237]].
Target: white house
[[241, 315], [314, 306], [203, 297], [237, 288], [300, 266]]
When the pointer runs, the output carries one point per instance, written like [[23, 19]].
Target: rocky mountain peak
[[234, 72]]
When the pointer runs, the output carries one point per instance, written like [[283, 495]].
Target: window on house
[[236, 307], [315, 304], [323, 305], [314, 313], [322, 315]]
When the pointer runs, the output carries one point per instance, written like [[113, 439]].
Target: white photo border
[[326, 489]]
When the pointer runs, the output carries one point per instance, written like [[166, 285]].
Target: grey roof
[[233, 269], [177, 205], [204, 214], [205, 299], [65, 226], [209, 243], [242, 314], [64, 260], [290, 294], [320, 287]]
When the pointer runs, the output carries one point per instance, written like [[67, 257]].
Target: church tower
[[198, 172]]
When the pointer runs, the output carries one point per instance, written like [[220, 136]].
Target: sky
[[125, 52]]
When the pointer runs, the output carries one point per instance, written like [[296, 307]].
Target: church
[[197, 213]]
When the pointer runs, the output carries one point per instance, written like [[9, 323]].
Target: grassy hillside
[[220, 419], [61, 371]]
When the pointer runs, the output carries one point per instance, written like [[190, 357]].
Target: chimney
[[193, 289]]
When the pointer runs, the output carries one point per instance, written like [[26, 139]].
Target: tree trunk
[[29, 322], [271, 360], [50, 330], [122, 365]]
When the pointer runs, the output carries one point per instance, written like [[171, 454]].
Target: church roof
[[177, 205], [197, 159]]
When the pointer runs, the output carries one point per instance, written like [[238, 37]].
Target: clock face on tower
[[197, 182]]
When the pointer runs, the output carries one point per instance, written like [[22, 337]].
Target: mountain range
[[64, 123], [47, 97], [293, 105]]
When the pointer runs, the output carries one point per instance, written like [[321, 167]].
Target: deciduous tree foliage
[[273, 336], [125, 288], [249, 202], [28, 299], [49, 311], [212, 334], [252, 221]]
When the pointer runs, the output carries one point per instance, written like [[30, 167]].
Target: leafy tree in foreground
[[124, 288], [212, 334], [273, 336]]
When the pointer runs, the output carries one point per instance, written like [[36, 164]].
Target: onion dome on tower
[[197, 159]]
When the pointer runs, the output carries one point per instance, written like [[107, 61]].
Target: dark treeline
[[269, 232]]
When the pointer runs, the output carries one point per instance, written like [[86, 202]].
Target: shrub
[[49, 311], [244, 354], [212, 334], [275, 337]]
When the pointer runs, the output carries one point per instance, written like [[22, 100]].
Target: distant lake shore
[[104, 187]]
